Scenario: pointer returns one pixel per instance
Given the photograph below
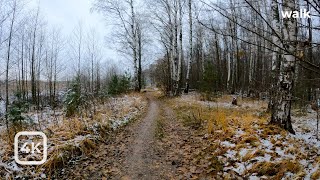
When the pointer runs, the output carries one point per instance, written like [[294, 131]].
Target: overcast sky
[[67, 14]]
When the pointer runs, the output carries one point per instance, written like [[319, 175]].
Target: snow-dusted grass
[[306, 127], [125, 109], [71, 137], [246, 146]]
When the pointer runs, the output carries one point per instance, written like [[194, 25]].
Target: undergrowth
[[78, 136], [242, 129]]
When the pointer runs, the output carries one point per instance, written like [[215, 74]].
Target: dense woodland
[[244, 48], [240, 47]]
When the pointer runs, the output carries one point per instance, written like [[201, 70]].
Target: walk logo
[[30, 148], [303, 13]]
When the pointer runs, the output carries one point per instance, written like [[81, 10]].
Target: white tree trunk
[[282, 113], [228, 62], [180, 44], [190, 47], [134, 46], [275, 39], [175, 51]]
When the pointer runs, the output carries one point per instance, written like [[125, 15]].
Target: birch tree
[[285, 84], [168, 23], [276, 58], [190, 46], [128, 35]]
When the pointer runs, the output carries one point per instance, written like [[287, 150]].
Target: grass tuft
[[276, 169], [315, 175]]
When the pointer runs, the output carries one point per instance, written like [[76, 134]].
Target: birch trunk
[[139, 36], [228, 62], [180, 46], [190, 47], [282, 107], [275, 66], [175, 60], [134, 46]]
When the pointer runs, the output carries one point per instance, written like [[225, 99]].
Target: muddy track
[[139, 163]]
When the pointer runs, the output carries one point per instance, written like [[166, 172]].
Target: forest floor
[[70, 140], [182, 138], [187, 138], [130, 153]]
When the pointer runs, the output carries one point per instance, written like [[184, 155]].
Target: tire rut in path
[[139, 163]]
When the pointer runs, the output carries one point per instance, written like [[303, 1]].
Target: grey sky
[[66, 14]]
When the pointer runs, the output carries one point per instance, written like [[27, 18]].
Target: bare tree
[[76, 44], [13, 19], [94, 57], [33, 65], [168, 23], [125, 13]]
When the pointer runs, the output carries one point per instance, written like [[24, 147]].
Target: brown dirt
[[130, 153], [140, 162]]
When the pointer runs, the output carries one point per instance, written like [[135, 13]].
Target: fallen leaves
[[233, 143]]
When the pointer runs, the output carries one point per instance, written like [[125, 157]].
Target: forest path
[[139, 163], [132, 152]]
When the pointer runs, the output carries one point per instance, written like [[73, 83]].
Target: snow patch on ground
[[228, 144], [116, 112], [306, 129], [274, 148], [129, 106]]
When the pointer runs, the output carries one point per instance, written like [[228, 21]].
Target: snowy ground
[[225, 102], [306, 128], [62, 132], [260, 151]]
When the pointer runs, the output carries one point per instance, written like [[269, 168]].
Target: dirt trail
[[139, 161], [131, 153]]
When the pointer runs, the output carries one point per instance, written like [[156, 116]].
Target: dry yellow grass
[[250, 139], [87, 146], [246, 128], [248, 156], [7, 141], [276, 169], [63, 135], [292, 150], [225, 98], [63, 153], [216, 120], [315, 175], [268, 130], [240, 146], [247, 120]]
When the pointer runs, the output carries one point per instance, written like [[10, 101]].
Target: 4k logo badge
[[28, 148]]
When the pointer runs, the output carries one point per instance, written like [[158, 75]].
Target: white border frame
[[16, 147]]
